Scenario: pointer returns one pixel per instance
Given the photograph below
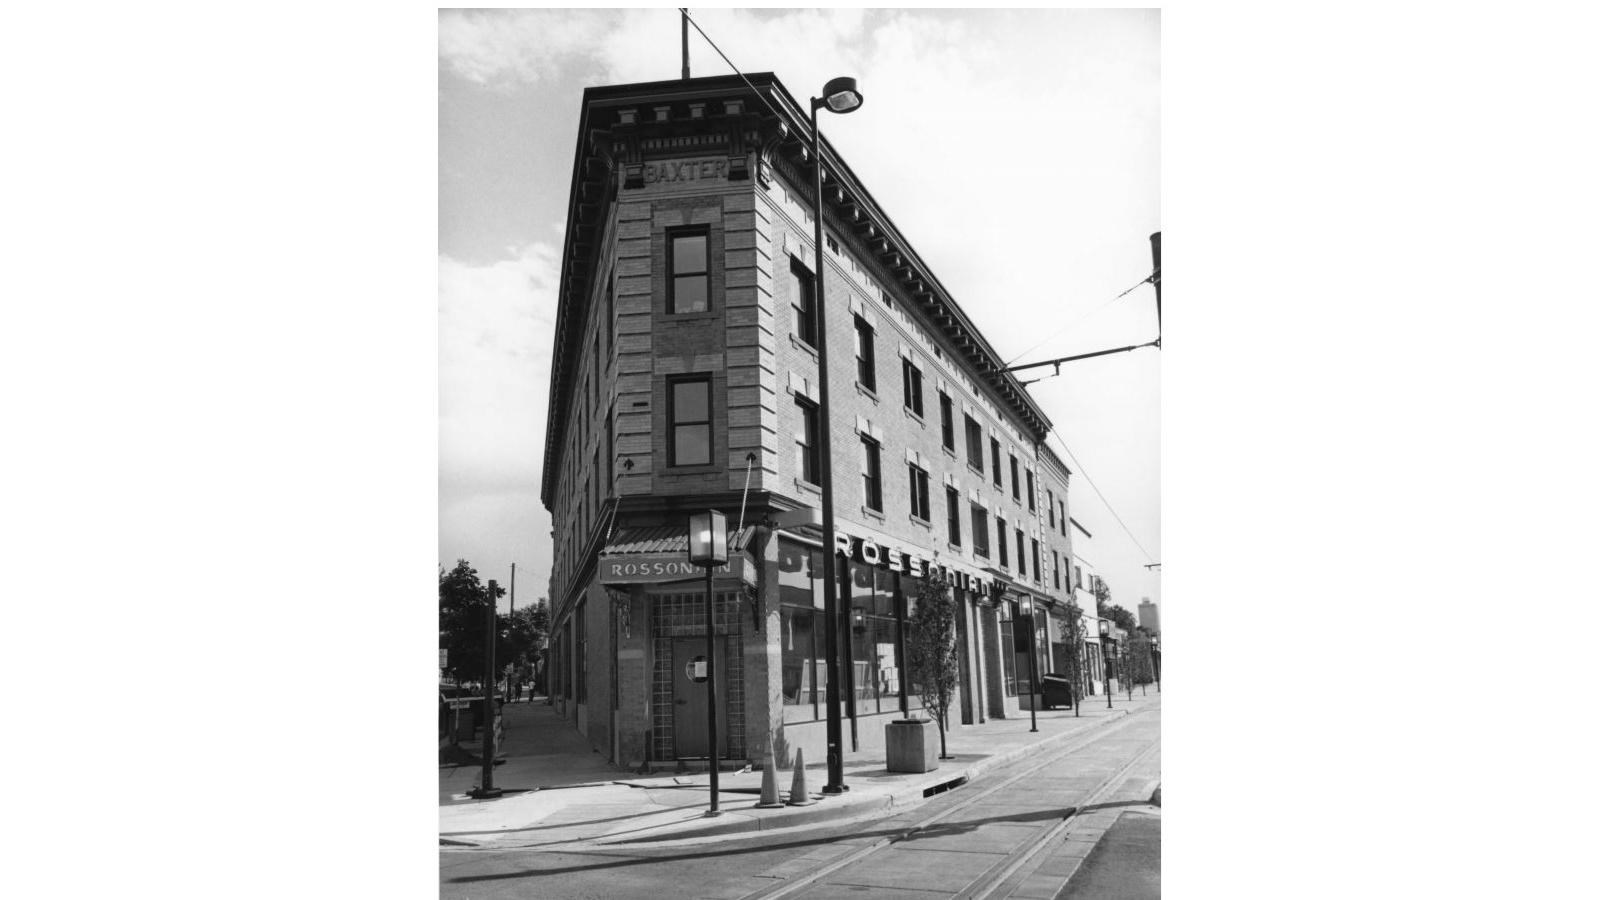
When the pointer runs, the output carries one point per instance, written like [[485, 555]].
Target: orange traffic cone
[[798, 794], [769, 797]]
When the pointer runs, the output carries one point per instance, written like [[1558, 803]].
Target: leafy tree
[[934, 663], [463, 606], [525, 631], [1121, 617], [1139, 667], [1076, 649]]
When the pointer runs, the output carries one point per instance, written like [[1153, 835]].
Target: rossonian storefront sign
[[651, 568]]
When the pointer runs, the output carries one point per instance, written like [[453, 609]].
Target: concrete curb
[[734, 822]]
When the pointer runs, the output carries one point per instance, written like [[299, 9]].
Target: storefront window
[[1007, 639], [800, 597]]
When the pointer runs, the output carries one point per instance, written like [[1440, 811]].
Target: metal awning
[[667, 539]]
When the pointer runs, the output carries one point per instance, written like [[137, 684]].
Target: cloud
[[510, 47], [495, 326]]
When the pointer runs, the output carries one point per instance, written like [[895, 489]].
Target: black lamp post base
[[834, 788], [712, 813], [482, 794]]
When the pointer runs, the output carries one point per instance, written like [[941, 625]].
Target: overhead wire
[[758, 95], [1056, 333], [1083, 471]]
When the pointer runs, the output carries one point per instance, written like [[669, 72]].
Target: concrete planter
[[912, 745]]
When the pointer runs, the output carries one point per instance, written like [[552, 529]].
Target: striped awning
[[667, 539]]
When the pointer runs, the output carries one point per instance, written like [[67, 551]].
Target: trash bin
[[1057, 691]]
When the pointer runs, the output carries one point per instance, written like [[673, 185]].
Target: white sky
[[1018, 151]]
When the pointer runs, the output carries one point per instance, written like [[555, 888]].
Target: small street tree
[[934, 663], [463, 602], [1076, 649], [1139, 667]]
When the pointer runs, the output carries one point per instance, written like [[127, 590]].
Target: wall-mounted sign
[[697, 670], [644, 569], [685, 170]]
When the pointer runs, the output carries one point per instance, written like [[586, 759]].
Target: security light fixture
[[840, 95]]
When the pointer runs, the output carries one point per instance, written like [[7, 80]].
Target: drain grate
[[944, 786]]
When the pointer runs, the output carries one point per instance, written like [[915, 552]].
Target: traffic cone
[[769, 798], [798, 794]]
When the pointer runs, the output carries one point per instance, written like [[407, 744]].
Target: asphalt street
[[1072, 822]]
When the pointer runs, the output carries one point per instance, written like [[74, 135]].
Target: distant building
[[1149, 615], [685, 377]]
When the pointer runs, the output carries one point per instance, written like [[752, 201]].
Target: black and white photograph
[[745, 452], [819, 541]]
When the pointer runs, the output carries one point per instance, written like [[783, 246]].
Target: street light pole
[[839, 96], [707, 547]]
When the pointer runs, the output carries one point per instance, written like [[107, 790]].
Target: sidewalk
[[559, 792]]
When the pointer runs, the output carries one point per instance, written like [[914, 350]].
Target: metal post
[[900, 605], [487, 790], [685, 43], [835, 727], [1104, 648], [710, 686], [1032, 662]]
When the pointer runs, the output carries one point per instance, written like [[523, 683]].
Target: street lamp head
[[1104, 628], [840, 96], [1026, 604], [707, 538]]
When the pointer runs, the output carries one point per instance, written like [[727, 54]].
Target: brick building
[[685, 378]]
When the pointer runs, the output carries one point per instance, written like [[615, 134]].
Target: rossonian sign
[[894, 559], [645, 569]]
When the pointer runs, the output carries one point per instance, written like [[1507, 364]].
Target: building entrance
[[690, 719]]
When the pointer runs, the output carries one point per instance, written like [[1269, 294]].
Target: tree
[[1121, 617], [526, 630], [934, 663], [1139, 668], [463, 606], [1075, 649]]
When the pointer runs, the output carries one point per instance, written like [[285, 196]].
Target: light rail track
[[986, 883]]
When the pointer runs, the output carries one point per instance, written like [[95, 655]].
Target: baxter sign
[[646, 569]]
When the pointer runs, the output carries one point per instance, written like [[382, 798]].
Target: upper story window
[[1079, 573], [993, 446], [1021, 561], [807, 449], [865, 354], [999, 536], [1054, 566], [974, 444], [913, 385], [802, 291], [689, 411], [952, 499], [921, 508], [688, 278], [1030, 491], [1015, 479], [1051, 508], [979, 530], [872, 473], [946, 417], [1038, 567]]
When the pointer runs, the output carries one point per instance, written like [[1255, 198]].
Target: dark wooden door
[[690, 720]]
